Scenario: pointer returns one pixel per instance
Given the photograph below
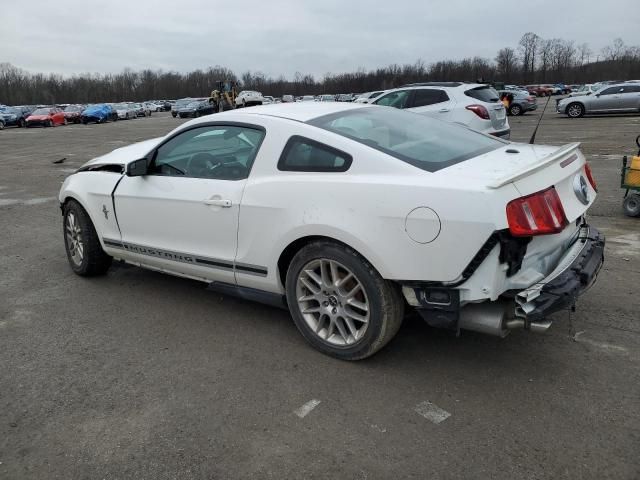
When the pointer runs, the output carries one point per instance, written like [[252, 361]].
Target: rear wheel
[[575, 110], [22, 123], [515, 110], [1, 125], [631, 205], [64, 122], [81, 242], [340, 303], [49, 123]]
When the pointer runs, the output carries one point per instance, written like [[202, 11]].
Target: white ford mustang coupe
[[346, 214]]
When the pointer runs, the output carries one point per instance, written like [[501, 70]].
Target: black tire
[[94, 260], [196, 115], [385, 300], [575, 110], [49, 123], [631, 205], [174, 115], [515, 110], [22, 123], [1, 125]]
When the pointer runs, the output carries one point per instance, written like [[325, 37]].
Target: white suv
[[471, 104], [249, 98]]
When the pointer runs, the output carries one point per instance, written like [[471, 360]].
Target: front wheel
[[1, 125], [49, 123], [575, 110], [22, 123], [84, 251], [340, 303], [631, 205]]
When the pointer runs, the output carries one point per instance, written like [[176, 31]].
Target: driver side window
[[222, 152]]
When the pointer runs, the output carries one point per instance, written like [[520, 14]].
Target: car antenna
[[533, 137]]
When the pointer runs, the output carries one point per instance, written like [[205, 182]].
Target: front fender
[[92, 190]]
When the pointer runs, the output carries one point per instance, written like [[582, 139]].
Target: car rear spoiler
[[543, 162]]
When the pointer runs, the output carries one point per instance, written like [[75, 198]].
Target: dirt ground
[[145, 376]]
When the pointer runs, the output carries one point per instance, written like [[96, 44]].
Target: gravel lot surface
[[145, 376]]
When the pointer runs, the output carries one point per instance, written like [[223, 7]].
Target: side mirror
[[597, 94], [137, 168]]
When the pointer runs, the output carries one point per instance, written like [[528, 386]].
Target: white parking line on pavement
[[305, 409], [432, 412]]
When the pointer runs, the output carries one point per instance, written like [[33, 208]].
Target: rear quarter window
[[484, 94], [302, 154]]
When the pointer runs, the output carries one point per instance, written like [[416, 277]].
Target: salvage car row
[[52, 116]]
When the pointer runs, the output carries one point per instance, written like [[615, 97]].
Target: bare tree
[[614, 51], [506, 63], [528, 46], [584, 53]]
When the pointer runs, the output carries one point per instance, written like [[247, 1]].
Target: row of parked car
[[55, 115]]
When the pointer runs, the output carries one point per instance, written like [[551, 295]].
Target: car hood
[[125, 155]]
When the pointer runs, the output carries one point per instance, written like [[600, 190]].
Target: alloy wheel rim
[[574, 110], [75, 243], [333, 302]]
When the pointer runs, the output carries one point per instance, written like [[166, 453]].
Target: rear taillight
[[480, 111], [537, 214], [589, 173]]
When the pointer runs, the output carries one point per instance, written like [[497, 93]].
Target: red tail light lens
[[537, 214], [479, 110], [589, 173]]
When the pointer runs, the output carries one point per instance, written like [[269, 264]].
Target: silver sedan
[[618, 98]]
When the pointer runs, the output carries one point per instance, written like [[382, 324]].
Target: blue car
[[14, 116], [99, 113]]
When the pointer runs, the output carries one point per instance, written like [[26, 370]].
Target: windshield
[[193, 105], [41, 111], [423, 142], [10, 111]]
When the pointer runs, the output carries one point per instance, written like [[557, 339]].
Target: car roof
[[301, 112], [434, 84]]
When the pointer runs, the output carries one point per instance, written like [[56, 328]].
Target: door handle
[[443, 110], [217, 202]]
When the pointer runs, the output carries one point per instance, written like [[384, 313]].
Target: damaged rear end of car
[[542, 256]]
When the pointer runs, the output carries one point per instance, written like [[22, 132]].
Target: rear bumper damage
[[574, 274]]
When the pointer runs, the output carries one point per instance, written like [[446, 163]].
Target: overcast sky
[[284, 36]]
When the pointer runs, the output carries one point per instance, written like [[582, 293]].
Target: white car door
[[432, 102], [182, 215]]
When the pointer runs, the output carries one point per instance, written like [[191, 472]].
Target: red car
[[47, 117], [539, 90], [72, 113]]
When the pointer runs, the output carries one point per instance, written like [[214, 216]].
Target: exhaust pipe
[[488, 318], [491, 319]]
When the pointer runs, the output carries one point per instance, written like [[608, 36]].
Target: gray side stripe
[[187, 258]]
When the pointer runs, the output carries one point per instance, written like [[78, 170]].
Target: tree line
[[533, 60]]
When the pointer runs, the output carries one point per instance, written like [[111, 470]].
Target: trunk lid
[[530, 169]]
